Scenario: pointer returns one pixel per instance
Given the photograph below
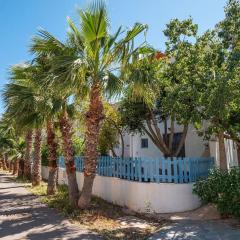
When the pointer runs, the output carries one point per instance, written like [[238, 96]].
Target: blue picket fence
[[171, 170]]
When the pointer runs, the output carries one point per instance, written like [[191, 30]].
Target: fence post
[[190, 169], [175, 171], [169, 170], [185, 161], [110, 166], [158, 163], [180, 170], [132, 168], [128, 167], [163, 170], [140, 169]]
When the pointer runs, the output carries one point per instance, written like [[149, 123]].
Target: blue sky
[[20, 19]]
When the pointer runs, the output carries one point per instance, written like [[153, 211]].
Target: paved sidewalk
[[197, 230], [22, 216]]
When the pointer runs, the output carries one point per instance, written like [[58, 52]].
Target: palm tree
[[90, 58], [12, 146], [52, 158], [27, 156], [60, 108], [3, 163], [26, 105], [16, 154]]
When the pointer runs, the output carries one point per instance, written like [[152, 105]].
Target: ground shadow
[[22, 216]]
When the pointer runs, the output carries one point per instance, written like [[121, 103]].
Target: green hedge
[[221, 188]]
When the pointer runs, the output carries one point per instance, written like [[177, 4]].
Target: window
[[144, 143]]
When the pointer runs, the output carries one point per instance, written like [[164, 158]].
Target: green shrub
[[221, 188], [44, 155], [78, 146]]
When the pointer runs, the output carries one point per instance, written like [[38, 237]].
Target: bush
[[222, 189], [44, 155], [78, 146]]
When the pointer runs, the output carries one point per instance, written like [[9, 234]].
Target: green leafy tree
[[220, 60], [111, 131], [162, 88]]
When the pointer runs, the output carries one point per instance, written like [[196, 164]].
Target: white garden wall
[[138, 196]]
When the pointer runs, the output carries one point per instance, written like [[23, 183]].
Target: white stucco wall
[[44, 172], [194, 144], [140, 197]]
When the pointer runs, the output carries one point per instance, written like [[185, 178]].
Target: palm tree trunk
[[21, 168], [94, 118], [36, 174], [4, 166], [16, 167], [11, 167], [66, 130], [27, 159], [6, 160], [52, 159], [222, 152]]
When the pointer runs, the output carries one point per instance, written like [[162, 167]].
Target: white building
[[140, 145]]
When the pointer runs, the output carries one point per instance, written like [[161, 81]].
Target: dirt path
[[22, 216]]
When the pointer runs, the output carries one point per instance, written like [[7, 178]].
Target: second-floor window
[[144, 143]]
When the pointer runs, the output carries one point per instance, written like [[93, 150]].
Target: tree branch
[[182, 141]]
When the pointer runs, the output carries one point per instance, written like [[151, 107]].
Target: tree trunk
[[66, 130], [36, 173], [165, 131], [113, 152], [238, 153], [222, 152], [172, 131], [182, 141], [94, 118], [6, 160], [4, 166], [122, 143], [11, 167], [21, 168], [16, 167], [52, 159], [27, 158]]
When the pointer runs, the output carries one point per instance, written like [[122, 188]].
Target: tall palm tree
[[12, 146], [61, 108], [49, 108], [91, 58], [52, 158], [27, 156], [25, 103], [16, 154]]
